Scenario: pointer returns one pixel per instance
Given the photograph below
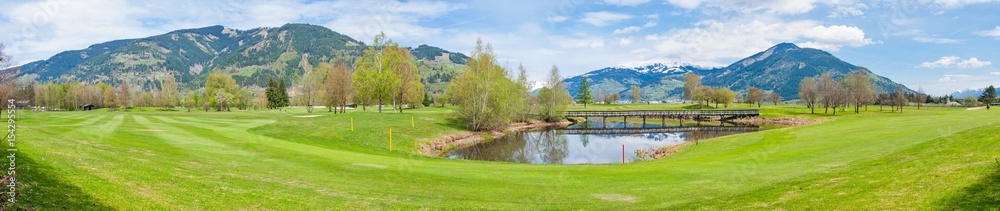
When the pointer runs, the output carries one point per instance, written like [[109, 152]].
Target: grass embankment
[[931, 158]]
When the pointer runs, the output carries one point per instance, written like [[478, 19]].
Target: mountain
[[968, 92], [250, 56], [778, 69], [655, 79]]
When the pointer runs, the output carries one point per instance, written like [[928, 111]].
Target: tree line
[[489, 97]]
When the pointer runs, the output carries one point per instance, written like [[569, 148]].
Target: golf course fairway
[[932, 158]]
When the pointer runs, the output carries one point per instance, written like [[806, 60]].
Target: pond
[[594, 142]]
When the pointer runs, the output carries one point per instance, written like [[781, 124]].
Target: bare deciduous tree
[[755, 96], [774, 98], [808, 93]]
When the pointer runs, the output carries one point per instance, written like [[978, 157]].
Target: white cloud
[[952, 78], [926, 39], [952, 4], [833, 37], [625, 41], [715, 43], [633, 29], [653, 16], [994, 73], [790, 7], [950, 62], [626, 2], [847, 10], [604, 18], [627, 29], [39, 29], [995, 33], [649, 24], [557, 19]]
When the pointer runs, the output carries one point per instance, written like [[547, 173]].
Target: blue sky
[[938, 45]]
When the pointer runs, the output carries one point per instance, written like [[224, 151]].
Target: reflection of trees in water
[[553, 146], [507, 149], [548, 147]]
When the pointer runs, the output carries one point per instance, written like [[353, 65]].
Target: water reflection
[[579, 144]]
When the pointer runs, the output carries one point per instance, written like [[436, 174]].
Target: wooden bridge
[[667, 114], [660, 130]]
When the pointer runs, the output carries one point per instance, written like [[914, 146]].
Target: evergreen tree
[[272, 93], [283, 94], [584, 92], [427, 99], [989, 96]]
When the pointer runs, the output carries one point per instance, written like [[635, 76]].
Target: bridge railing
[[659, 130], [663, 113]]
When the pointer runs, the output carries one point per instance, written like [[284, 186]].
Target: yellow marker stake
[[390, 139], [352, 124], [411, 123]]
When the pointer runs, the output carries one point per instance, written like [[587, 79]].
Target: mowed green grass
[[933, 158]]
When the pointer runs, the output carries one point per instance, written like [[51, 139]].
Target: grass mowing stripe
[[314, 163], [931, 174]]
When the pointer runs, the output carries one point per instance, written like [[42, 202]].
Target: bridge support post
[[643, 122]]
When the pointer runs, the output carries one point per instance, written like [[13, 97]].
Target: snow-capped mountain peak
[[664, 68]]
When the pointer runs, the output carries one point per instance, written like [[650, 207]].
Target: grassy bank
[[928, 158]]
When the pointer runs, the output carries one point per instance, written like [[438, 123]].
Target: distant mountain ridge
[[968, 92], [777, 69], [251, 56]]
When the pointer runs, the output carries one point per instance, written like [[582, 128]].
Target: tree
[[755, 95], [375, 74], [859, 87], [989, 95], [584, 92], [970, 101], [636, 94], [221, 89], [410, 90], [839, 96], [921, 98], [774, 97], [309, 87], [552, 106], [123, 97], [283, 99], [528, 106], [8, 85], [723, 95], [483, 92], [808, 93], [167, 96], [691, 84], [428, 100], [272, 94], [702, 94], [337, 87], [612, 98], [827, 88], [145, 98], [109, 98], [191, 100], [899, 97]]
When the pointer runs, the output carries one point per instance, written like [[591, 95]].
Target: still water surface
[[565, 146]]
